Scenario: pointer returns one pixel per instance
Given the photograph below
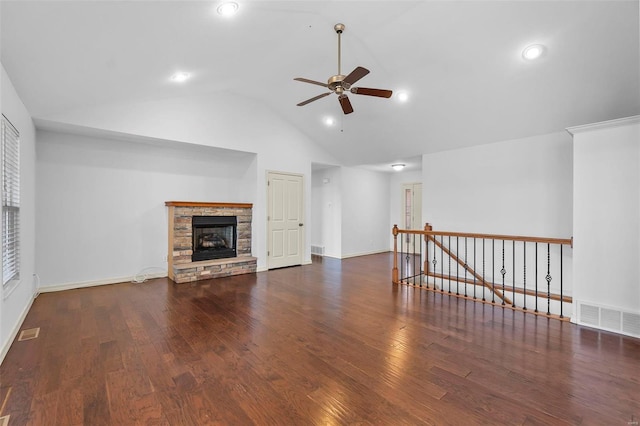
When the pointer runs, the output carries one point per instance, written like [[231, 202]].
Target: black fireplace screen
[[214, 237]]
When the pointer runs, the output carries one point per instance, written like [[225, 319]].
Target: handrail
[[544, 240], [463, 268]]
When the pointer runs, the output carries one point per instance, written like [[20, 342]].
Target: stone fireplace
[[209, 240]]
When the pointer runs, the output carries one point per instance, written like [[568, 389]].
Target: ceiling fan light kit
[[340, 84]]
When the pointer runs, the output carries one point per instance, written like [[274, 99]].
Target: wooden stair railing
[[475, 278]]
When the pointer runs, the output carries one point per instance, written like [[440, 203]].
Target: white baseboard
[[331, 256], [16, 329], [266, 269], [83, 284], [366, 253]]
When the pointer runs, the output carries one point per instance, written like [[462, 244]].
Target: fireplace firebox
[[214, 237]]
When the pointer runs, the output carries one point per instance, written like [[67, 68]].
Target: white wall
[[521, 187], [607, 214], [326, 215], [365, 211], [14, 306], [218, 120], [101, 213]]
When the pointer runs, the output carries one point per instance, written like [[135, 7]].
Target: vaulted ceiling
[[459, 61]]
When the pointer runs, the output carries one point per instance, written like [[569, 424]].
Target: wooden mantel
[[204, 204]]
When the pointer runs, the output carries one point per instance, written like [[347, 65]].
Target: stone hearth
[[181, 268]]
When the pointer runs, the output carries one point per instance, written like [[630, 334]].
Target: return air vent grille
[[609, 319], [317, 250], [589, 315], [631, 324]]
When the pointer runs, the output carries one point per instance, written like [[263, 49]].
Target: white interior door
[[285, 220]]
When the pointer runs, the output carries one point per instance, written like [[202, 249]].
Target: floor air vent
[[609, 319], [29, 334]]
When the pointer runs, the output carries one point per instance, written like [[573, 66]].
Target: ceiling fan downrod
[[339, 29]]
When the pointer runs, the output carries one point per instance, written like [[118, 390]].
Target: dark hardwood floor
[[325, 344]]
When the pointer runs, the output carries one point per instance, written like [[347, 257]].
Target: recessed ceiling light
[[397, 167], [403, 96], [533, 52], [228, 8], [329, 121], [181, 76]]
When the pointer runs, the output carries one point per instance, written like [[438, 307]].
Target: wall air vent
[[610, 319], [317, 250], [589, 315], [631, 324]]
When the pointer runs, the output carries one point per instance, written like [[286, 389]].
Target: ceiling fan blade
[[381, 93], [315, 98], [345, 103], [355, 75], [306, 80]]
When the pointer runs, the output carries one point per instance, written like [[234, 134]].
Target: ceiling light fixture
[[403, 96], [180, 77], [533, 52], [329, 121], [228, 8], [398, 167]]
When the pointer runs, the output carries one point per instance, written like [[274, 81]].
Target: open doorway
[[411, 211]]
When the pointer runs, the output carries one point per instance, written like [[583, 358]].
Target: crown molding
[[604, 125]]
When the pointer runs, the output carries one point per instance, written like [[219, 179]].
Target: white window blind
[[10, 202]]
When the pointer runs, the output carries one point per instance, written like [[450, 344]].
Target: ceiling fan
[[339, 84]]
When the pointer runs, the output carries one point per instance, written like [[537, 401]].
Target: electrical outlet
[[164, 258]]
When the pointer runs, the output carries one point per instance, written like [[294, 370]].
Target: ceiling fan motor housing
[[336, 85]]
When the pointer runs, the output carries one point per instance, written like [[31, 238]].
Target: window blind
[[10, 202]]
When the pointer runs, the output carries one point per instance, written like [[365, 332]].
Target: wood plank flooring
[[333, 343]]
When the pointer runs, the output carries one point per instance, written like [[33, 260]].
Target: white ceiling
[[460, 62]]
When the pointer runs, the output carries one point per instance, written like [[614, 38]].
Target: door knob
[[301, 224]]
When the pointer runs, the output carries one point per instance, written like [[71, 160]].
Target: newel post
[[427, 228], [394, 272]]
